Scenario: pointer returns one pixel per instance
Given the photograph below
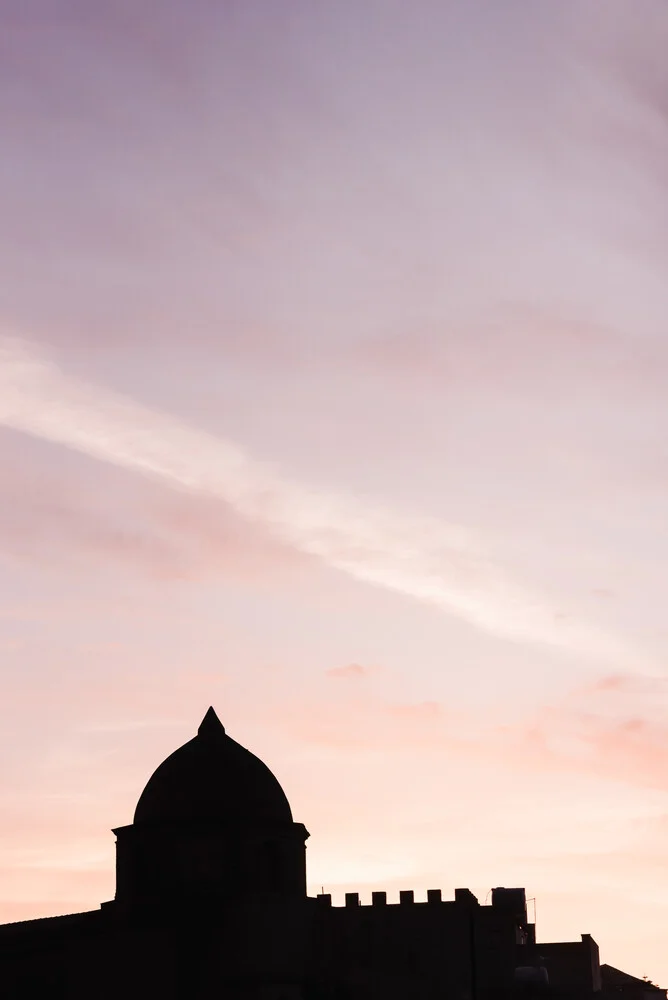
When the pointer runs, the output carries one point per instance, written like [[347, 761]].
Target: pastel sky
[[333, 380]]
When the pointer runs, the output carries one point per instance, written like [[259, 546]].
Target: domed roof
[[212, 778]]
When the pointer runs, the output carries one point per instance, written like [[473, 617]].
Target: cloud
[[612, 728], [59, 514], [42, 522], [365, 723], [350, 670], [519, 345], [427, 559]]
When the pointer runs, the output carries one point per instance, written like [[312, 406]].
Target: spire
[[211, 726]]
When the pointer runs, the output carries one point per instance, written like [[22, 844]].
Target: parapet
[[466, 896], [406, 898]]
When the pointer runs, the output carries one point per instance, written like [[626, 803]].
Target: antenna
[[532, 899]]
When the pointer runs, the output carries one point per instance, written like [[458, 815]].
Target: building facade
[[211, 902]]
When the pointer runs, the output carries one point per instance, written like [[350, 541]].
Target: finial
[[211, 725]]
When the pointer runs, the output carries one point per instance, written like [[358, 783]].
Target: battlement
[[509, 902], [463, 897]]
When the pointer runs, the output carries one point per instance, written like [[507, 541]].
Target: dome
[[212, 778]]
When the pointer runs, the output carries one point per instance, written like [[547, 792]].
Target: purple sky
[[333, 368]]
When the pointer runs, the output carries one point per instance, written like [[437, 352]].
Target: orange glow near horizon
[[333, 371]]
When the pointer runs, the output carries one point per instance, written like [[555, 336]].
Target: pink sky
[[333, 370]]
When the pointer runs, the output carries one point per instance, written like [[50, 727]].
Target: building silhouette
[[211, 902]]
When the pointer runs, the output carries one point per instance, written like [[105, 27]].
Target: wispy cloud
[[64, 516], [425, 558], [348, 671], [612, 728]]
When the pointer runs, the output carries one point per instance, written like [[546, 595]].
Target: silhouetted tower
[[213, 823]]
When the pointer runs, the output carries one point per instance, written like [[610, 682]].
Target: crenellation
[[213, 839]]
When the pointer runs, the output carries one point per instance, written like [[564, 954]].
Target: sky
[[333, 368]]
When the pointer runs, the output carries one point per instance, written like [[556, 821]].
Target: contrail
[[424, 558]]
